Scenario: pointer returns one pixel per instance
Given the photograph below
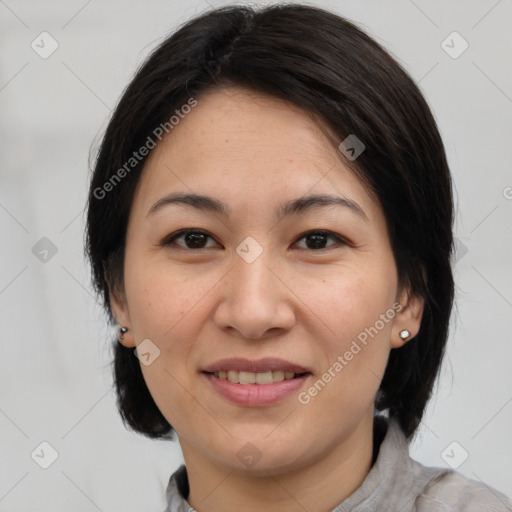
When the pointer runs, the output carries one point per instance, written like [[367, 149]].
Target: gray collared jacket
[[395, 483]]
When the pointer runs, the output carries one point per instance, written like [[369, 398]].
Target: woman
[[270, 227]]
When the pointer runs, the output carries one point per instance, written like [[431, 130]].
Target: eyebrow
[[292, 207]]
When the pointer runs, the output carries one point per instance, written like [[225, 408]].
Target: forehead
[[241, 144], [233, 123]]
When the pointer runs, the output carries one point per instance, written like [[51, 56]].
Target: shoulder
[[449, 491], [418, 488]]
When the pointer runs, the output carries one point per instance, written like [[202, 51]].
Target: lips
[[255, 383]]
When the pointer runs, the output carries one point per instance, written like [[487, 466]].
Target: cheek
[[358, 313], [162, 299], [166, 307], [349, 305]]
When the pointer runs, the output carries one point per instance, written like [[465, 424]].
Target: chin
[[273, 465], [260, 456]]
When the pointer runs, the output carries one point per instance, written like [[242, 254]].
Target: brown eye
[[316, 240], [191, 239], [198, 239]]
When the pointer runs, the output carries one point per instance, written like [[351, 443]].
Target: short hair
[[335, 72]]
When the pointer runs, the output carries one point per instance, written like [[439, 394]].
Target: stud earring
[[122, 332], [404, 334]]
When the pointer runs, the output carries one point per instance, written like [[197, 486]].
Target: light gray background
[[54, 360]]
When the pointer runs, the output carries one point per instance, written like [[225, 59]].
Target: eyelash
[[179, 234]]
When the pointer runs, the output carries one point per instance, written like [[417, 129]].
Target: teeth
[[233, 376], [254, 378], [278, 376], [247, 377], [262, 378]]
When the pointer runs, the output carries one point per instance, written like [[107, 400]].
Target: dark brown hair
[[333, 70]]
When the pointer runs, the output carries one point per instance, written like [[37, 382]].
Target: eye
[[192, 239], [316, 240], [198, 239]]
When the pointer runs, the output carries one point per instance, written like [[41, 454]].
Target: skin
[[295, 301]]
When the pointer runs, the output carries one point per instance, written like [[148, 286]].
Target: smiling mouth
[[261, 378]]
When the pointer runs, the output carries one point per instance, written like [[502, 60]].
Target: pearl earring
[[122, 332], [404, 334]]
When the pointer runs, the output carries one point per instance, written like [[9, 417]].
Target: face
[[263, 271]]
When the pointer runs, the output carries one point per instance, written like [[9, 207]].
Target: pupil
[[195, 239], [318, 240]]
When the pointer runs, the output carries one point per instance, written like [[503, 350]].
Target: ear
[[119, 307], [408, 317]]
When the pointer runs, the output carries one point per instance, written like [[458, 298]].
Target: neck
[[320, 486]]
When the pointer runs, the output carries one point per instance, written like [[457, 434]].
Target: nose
[[256, 301]]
